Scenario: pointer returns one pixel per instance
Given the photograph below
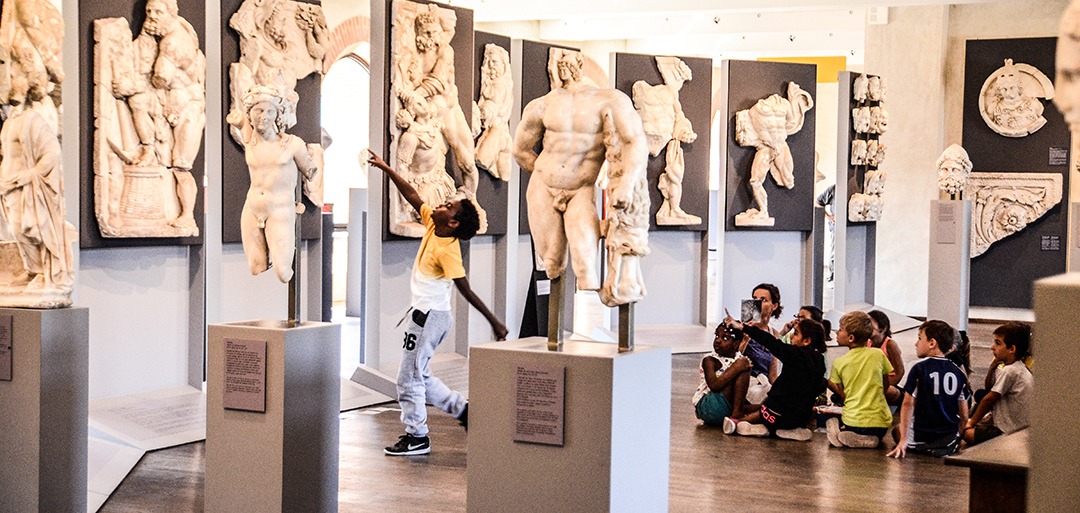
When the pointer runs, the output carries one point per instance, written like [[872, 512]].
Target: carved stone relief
[[860, 117], [667, 127], [149, 115], [868, 205], [766, 126], [1005, 203], [31, 36], [860, 89], [492, 113], [276, 160], [1009, 99], [954, 166], [876, 89], [858, 152], [875, 152], [422, 83], [879, 120], [561, 195]]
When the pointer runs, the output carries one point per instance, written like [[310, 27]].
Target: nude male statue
[[168, 66], [581, 126]]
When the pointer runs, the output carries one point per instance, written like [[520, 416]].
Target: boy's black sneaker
[[463, 419], [408, 445]]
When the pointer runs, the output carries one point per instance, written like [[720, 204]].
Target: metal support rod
[[555, 305], [294, 282], [626, 327]]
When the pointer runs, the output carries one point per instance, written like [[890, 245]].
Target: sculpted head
[[1008, 82], [1067, 81], [265, 108], [428, 31], [570, 65], [161, 15], [954, 166], [496, 59]]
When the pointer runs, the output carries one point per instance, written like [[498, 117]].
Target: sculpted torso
[[273, 172]]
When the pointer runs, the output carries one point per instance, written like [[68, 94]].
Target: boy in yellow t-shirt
[[438, 265], [860, 377]]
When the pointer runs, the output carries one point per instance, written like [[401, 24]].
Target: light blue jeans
[[415, 384]]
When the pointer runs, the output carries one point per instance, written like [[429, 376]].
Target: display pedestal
[[44, 409], [285, 459], [950, 262], [616, 430]]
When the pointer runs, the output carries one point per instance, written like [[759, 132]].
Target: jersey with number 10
[[938, 386]]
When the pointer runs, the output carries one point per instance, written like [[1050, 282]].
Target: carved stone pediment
[[1005, 203]]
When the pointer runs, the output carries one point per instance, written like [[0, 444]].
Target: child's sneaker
[[748, 429], [463, 419], [729, 425], [799, 434], [408, 445], [832, 430], [857, 441]]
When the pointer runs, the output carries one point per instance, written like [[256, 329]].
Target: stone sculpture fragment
[[876, 89], [766, 126], [493, 113], [954, 166], [276, 160], [561, 197], [1005, 203], [422, 73], [860, 117], [861, 88], [666, 129], [858, 152], [149, 115], [1009, 101], [879, 120], [31, 36]]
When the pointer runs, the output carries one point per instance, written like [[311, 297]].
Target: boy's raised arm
[[496, 326], [407, 190]]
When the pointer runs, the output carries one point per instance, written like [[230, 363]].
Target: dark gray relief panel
[[491, 192], [696, 99], [1004, 274], [748, 82], [235, 179], [534, 84], [135, 11]]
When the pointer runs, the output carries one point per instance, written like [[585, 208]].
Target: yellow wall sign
[[827, 67]]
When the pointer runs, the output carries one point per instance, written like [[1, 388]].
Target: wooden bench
[[999, 473]]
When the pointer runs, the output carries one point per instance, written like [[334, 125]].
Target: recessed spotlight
[[716, 19]]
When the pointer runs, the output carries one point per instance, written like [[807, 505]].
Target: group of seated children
[[934, 400]]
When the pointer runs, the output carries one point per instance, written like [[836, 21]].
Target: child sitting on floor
[[790, 403], [936, 396], [860, 378], [1010, 398], [882, 339], [724, 378]]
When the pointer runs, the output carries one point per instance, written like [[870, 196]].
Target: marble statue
[[274, 158], [421, 160], [493, 112], [667, 127], [879, 120], [149, 115], [422, 67], [1067, 65], [860, 119], [32, 31], [279, 40], [954, 166], [858, 152], [1005, 203], [32, 221], [582, 126], [861, 88], [766, 126], [876, 89], [1009, 99]]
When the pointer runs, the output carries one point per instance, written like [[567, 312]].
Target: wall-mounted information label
[[1051, 243], [1059, 156], [5, 347], [539, 395], [543, 287], [245, 375], [946, 223]]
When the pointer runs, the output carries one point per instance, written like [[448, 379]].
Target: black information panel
[[696, 100], [1003, 275], [748, 82]]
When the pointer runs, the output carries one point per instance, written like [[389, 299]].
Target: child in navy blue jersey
[[935, 407]]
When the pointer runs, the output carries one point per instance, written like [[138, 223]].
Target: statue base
[[753, 217]]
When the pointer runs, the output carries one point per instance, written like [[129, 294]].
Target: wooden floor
[[709, 471]]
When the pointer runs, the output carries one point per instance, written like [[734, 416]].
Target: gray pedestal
[[1054, 472], [43, 411], [617, 430], [950, 262], [285, 459]]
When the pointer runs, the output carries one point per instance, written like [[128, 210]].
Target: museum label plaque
[[946, 225], [1050, 243], [539, 394], [5, 347], [245, 375], [1059, 156]]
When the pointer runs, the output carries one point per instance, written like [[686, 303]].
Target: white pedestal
[[43, 412], [950, 262], [1054, 472], [285, 459], [617, 430]]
